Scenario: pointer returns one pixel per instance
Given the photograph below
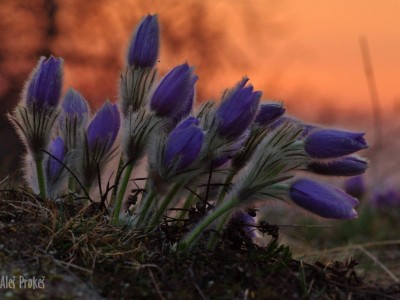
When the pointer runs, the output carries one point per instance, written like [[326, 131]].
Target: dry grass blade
[[379, 263]]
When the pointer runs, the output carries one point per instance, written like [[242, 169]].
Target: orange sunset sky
[[305, 53]]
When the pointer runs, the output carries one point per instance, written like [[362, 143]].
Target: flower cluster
[[222, 159]]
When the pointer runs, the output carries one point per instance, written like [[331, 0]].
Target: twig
[[349, 247], [156, 285], [375, 101], [380, 264]]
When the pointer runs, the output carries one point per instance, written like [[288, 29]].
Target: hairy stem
[[165, 203], [71, 184], [40, 176], [199, 229], [186, 206], [116, 183], [121, 193], [224, 188], [145, 205], [214, 235]]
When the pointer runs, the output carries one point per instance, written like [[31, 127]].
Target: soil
[[82, 256]]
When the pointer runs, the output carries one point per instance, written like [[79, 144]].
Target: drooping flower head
[[183, 145], [44, 86], [344, 166], [145, 43], [323, 200], [237, 110], [57, 149], [173, 97], [268, 113], [330, 143], [104, 127]]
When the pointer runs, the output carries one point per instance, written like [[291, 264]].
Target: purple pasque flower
[[344, 166], [268, 113], [329, 143], [237, 110], [44, 86], [355, 186], [73, 119], [386, 199], [74, 104], [183, 145], [187, 106], [247, 222], [104, 127], [173, 97], [145, 43], [323, 200], [57, 149]]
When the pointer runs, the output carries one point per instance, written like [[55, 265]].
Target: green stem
[[121, 194], [165, 203], [223, 192], [71, 184], [119, 170], [87, 189], [40, 176], [214, 235], [188, 203], [145, 206], [199, 229]]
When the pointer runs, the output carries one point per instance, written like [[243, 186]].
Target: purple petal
[[333, 143], [145, 44], [44, 87], [322, 199]]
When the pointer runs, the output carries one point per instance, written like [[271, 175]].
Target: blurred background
[[305, 53]]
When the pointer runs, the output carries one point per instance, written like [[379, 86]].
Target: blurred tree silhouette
[[30, 30]]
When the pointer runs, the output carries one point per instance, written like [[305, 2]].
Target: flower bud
[[74, 104], [145, 43], [268, 113], [355, 186], [323, 200], [57, 149], [386, 199], [104, 127], [345, 166], [173, 97], [237, 110], [333, 143], [183, 145], [246, 221], [44, 86]]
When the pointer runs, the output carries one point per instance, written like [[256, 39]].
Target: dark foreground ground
[[82, 257]]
